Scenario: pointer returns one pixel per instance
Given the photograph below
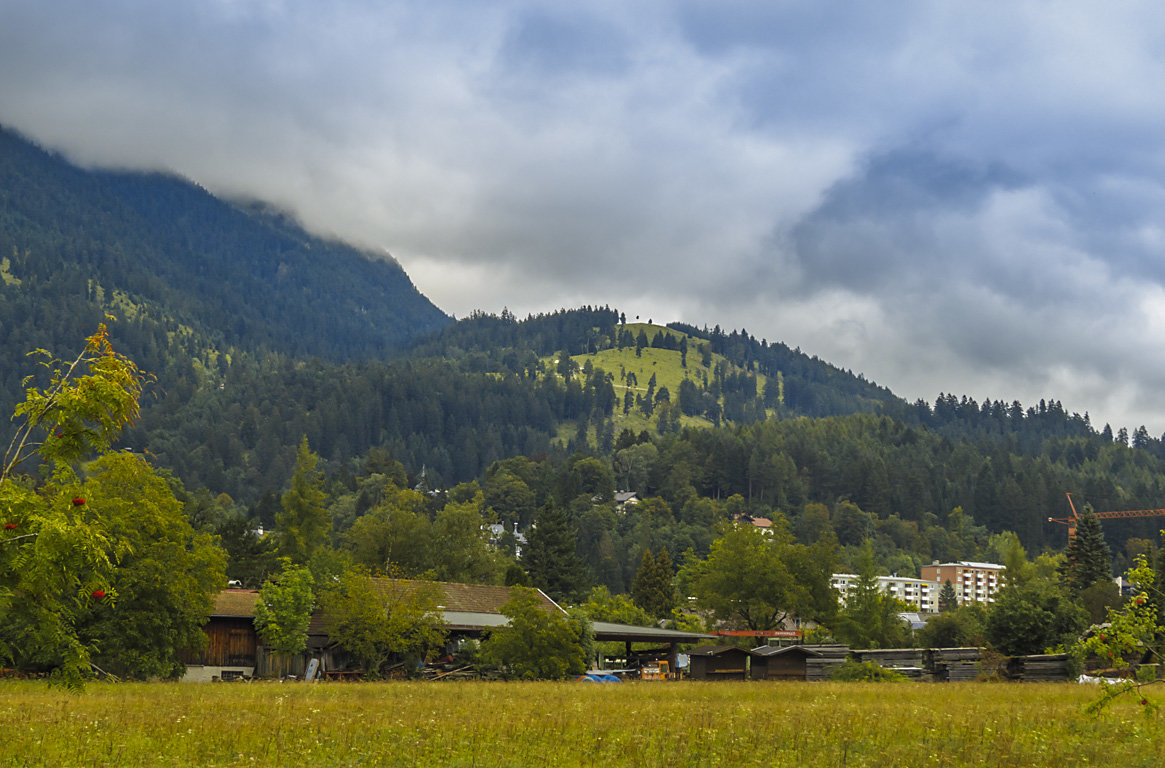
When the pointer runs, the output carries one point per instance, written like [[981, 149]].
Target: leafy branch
[[83, 408]]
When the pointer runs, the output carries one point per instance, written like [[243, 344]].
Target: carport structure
[[627, 634]]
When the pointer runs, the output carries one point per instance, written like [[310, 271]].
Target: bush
[[851, 671]]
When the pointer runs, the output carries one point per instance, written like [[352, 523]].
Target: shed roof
[[608, 631], [772, 650], [717, 650], [235, 603]]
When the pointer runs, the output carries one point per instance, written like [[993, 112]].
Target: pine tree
[[870, 617], [1089, 560], [302, 526], [550, 558], [652, 590], [947, 599]]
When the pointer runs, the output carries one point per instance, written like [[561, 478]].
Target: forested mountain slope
[[261, 334], [176, 264]]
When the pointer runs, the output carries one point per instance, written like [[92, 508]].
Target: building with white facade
[[972, 582], [919, 593]]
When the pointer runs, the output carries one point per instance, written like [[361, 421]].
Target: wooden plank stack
[[893, 658], [1048, 667], [832, 654], [954, 665]]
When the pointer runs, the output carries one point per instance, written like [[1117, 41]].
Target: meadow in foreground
[[571, 724]]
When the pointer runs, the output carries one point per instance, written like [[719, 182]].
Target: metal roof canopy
[[606, 631]]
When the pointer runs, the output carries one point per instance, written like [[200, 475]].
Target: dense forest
[[255, 347]]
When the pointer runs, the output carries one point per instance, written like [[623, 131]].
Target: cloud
[[960, 198]]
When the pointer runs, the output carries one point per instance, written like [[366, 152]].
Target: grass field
[[571, 724]]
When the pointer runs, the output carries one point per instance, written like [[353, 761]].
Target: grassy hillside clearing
[[572, 724], [665, 364]]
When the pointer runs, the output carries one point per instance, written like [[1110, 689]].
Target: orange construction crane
[[1126, 513]]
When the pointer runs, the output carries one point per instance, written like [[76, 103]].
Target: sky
[[961, 198]]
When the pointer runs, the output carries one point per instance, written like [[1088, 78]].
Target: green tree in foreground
[[1033, 617], [756, 580], [954, 629], [1134, 634], [283, 611], [536, 644], [870, 617], [378, 620], [165, 579], [57, 555]]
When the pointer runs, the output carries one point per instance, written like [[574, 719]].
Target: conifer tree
[[652, 590], [947, 599], [550, 555], [1088, 561], [302, 526], [870, 617]]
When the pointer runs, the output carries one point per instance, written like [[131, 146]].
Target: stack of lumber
[[914, 673], [1048, 667], [819, 667], [893, 658], [954, 665]]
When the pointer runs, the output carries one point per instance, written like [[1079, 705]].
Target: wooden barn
[[789, 663], [232, 644], [719, 662], [234, 650]]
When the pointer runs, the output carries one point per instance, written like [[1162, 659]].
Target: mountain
[[260, 333], [166, 256]]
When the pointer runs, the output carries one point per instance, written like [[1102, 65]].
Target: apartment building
[[919, 593], [973, 582]]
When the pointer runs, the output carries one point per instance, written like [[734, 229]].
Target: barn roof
[[235, 603]]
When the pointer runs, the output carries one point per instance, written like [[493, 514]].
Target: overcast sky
[[948, 197]]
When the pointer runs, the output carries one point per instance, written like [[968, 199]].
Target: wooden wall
[[230, 643]]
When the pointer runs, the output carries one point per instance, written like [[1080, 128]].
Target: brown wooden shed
[[231, 641], [719, 662], [789, 663]]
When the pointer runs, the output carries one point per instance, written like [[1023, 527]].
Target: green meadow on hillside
[[572, 724], [665, 364]]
